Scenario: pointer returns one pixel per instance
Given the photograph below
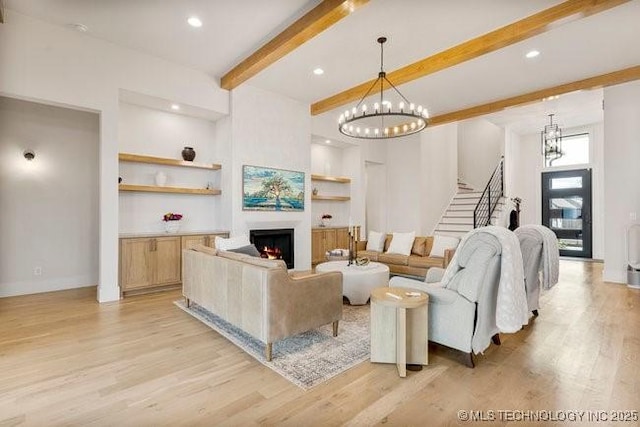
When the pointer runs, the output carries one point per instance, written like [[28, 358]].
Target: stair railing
[[490, 197]]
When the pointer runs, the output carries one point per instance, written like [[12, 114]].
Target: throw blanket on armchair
[[550, 264], [511, 305]]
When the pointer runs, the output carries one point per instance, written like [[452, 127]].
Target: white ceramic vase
[[172, 226], [161, 180]]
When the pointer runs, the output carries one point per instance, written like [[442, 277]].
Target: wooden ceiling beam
[[310, 25], [520, 30], [603, 80]]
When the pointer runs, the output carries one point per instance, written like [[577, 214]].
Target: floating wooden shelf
[[331, 198], [139, 158], [157, 189], [340, 179]]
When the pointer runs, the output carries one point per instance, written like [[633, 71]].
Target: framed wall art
[[267, 189]]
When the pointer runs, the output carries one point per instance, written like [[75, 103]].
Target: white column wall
[[621, 174], [273, 131]]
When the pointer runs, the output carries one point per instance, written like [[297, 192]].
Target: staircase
[[457, 220]]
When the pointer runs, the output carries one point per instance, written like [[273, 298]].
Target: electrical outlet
[[37, 271]]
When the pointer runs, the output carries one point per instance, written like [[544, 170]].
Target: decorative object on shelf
[[382, 121], [29, 154], [172, 222], [551, 138], [188, 154], [315, 191], [119, 179], [161, 179], [325, 219], [267, 189]]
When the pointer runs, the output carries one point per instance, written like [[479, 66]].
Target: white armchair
[[462, 313], [531, 247]]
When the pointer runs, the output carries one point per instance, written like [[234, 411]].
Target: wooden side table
[[399, 327]]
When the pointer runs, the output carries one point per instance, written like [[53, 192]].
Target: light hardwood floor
[[66, 360]]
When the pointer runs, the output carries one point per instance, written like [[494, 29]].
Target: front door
[[566, 209]]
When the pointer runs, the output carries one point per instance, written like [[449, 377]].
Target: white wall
[[404, 185], [523, 161], [621, 174], [480, 145], [50, 204], [60, 66], [439, 173], [158, 133], [273, 131]]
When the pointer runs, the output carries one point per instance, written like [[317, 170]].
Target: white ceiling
[[348, 52]]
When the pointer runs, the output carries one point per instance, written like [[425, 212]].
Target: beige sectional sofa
[[259, 296], [415, 264]]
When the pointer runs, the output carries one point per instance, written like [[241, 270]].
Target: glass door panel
[[566, 209]]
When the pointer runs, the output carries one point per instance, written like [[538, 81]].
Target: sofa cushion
[[375, 241], [425, 261], [440, 243], [247, 250], [372, 255], [401, 243], [231, 243], [419, 245], [396, 259], [387, 242]]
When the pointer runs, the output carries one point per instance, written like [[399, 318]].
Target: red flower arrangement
[[172, 217]]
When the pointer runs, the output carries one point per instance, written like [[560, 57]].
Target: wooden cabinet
[[149, 262], [152, 262], [326, 239]]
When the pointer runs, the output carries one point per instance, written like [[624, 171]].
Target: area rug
[[307, 359]]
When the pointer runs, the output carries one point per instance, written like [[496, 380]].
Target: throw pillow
[[401, 243], [223, 244], [375, 241], [440, 243], [247, 250]]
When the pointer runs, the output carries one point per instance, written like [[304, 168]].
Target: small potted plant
[[324, 220], [172, 222]]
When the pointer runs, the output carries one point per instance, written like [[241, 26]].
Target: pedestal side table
[[399, 327]]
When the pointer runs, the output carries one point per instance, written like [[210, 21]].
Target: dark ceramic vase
[[188, 154]]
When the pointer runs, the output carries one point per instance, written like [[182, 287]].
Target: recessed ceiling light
[[79, 27], [328, 141], [194, 21], [318, 71], [175, 107], [532, 54]]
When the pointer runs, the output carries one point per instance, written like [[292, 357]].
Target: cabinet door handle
[[154, 245]]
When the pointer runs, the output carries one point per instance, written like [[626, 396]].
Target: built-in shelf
[[340, 179], [139, 158], [331, 198], [158, 189]]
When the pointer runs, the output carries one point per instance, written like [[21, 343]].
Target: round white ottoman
[[358, 281]]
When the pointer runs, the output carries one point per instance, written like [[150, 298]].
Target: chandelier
[[382, 120], [551, 138]]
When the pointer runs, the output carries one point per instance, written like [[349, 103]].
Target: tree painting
[[266, 189]]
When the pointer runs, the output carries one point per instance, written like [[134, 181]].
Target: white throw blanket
[[511, 306], [550, 264]]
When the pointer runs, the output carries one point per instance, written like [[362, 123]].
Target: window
[[575, 151]]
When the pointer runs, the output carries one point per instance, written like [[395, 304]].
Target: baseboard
[[614, 275], [32, 287]]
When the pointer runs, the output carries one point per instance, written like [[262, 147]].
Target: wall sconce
[[29, 154]]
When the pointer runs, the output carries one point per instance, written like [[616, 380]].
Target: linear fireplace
[[274, 244]]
